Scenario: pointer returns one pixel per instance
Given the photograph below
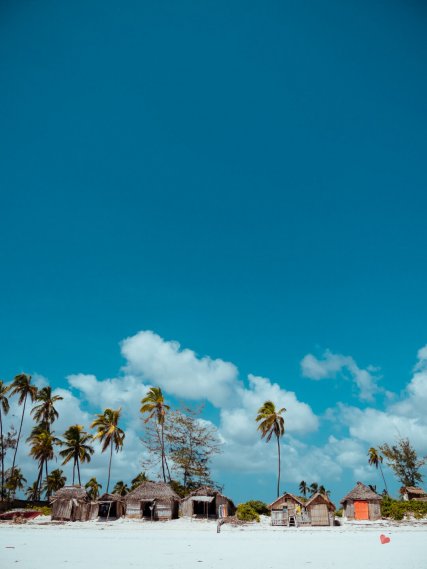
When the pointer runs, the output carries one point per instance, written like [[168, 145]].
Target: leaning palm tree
[[120, 488], [15, 480], [54, 482], [76, 448], [314, 488], [4, 409], [93, 487], [109, 433], [22, 386], [376, 459], [153, 404], [45, 412], [303, 488], [271, 423], [42, 449]]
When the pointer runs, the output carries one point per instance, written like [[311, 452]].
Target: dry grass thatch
[[111, 498], [152, 491], [361, 492], [71, 493], [413, 490]]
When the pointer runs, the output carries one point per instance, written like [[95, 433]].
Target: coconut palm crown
[[76, 447]]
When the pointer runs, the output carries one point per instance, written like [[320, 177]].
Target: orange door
[[361, 511]]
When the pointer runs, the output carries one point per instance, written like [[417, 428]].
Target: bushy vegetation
[[339, 513], [261, 508], [398, 509], [246, 513]]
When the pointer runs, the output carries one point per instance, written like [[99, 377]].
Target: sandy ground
[[185, 545]]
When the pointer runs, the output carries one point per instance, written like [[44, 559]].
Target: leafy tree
[[246, 513], [54, 482], [138, 480], [76, 447], [45, 413], [153, 405], [403, 460], [271, 423], [260, 508], [120, 488], [109, 434], [4, 410], [376, 459], [15, 480], [93, 487], [22, 386], [303, 488]]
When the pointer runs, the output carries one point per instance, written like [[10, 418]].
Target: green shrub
[[261, 508], [246, 513], [338, 513], [398, 509]]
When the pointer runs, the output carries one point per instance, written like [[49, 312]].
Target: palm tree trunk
[[78, 471], [47, 474], [39, 481], [74, 469], [19, 436], [109, 467], [278, 474], [382, 474], [163, 452], [2, 456]]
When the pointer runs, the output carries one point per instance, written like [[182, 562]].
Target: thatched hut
[[111, 506], [321, 510], [72, 503], [152, 501], [207, 502], [288, 510], [362, 503], [413, 493]]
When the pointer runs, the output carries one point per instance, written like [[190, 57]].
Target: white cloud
[[333, 365]]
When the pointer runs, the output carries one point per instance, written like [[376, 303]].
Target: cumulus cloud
[[331, 365]]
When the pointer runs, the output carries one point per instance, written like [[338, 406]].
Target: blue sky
[[246, 180]]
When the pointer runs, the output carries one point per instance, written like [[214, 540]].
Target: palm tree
[[154, 405], [15, 480], [21, 386], [76, 448], [4, 408], [42, 449], [54, 482], [376, 459], [109, 433], [314, 488], [120, 488], [93, 487], [45, 412], [32, 492], [322, 490], [303, 488], [271, 423], [142, 477]]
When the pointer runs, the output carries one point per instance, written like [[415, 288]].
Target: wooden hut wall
[[319, 501], [226, 503], [165, 509], [374, 510], [187, 508], [133, 508], [61, 509]]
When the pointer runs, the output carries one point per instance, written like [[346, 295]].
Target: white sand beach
[[182, 544]]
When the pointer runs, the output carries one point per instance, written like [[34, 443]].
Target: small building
[[207, 502], [321, 510], [289, 510], [413, 493], [72, 503], [152, 501], [111, 506], [362, 503]]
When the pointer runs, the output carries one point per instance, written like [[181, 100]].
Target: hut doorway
[[148, 509], [107, 510], [361, 510], [319, 515], [204, 506]]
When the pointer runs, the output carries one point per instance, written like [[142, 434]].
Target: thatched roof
[[414, 490], [361, 492], [111, 498], [152, 491], [205, 491], [325, 499], [70, 493], [295, 498]]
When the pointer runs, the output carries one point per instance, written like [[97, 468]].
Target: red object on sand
[[384, 539], [26, 514]]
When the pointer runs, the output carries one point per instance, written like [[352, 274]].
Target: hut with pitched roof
[[321, 511], [413, 493], [111, 506], [362, 503], [289, 510], [72, 503], [152, 501], [207, 502]]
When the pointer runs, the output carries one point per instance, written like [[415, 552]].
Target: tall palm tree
[[109, 433], [303, 488], [376, 459], [22, 386], [76, 448], [4, 409], [15, 480], [42, 449], [153, 404], [54, 482], [45, 412], [314, 488], [93, 487], [120, 488], [271, 423]]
